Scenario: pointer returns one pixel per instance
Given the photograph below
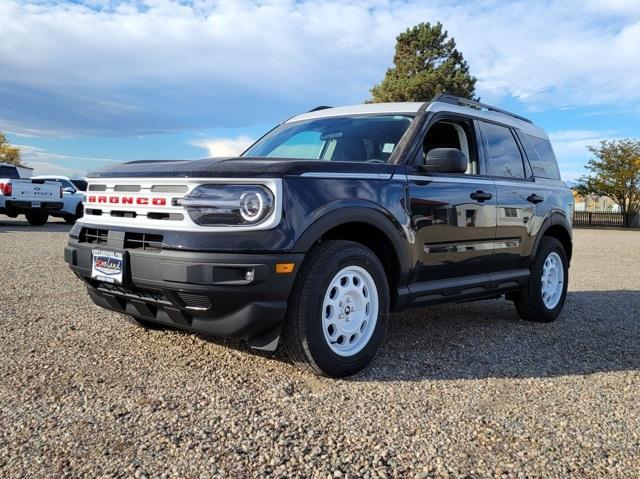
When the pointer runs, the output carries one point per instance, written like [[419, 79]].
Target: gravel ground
[[456, 391]]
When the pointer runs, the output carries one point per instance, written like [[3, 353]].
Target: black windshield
[[10, 172], [369, 138]]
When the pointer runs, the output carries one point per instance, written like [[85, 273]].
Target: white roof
[[413, 107], [362, 109], [525, 126]]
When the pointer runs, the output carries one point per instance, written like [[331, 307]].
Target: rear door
[[517, 195]]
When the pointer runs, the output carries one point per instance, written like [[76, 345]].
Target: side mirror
[[446, 160], [69, 190]]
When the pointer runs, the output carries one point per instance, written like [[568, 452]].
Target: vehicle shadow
[[20, 225], [598, 331]]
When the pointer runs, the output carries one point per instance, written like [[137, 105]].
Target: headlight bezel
[[216, 205]]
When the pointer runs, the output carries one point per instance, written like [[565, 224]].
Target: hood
[[244, 167]]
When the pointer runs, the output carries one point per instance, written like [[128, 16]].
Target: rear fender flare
[[553, 219]]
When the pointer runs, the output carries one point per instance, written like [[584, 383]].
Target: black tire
[[37, 218], [79, 214], [303, 335], [529, 303], [143, 323]]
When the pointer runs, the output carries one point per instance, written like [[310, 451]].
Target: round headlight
[[252, 205], [229, 205]]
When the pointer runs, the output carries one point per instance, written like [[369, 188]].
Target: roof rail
[[456, 100], [321, 107]]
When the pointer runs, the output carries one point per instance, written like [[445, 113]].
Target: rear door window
[[541, 157], [80, 184], [502, 153]]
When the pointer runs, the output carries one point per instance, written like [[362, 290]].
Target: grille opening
[[124, 214], [165, 216], [144, 241], [93, 212], [195, 301], [127, 188], [169, 189], [94, 236], [97, 187], [139, 241]]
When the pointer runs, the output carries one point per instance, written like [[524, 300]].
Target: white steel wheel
[[552, 282], [350, 311]]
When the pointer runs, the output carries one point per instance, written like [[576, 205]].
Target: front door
[[453, 216]]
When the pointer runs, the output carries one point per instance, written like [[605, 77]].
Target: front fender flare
[[382, 220]]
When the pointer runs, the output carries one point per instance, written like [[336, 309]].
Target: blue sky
[[86, 83]]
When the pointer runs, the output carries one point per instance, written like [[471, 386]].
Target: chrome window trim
[[353, 176], [484, 181]]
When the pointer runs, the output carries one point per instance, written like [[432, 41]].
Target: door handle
[[481, 196], [535, 199]]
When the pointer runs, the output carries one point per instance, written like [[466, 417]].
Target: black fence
[[603, 218]]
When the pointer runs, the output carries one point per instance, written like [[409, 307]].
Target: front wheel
[[544, 296], [37, 218], [338, 309]]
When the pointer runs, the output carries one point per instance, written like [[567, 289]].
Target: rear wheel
[[37, 218], [338, 310], [543, 298]]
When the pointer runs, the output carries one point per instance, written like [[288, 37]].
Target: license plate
[[36, 204], [107, 266]]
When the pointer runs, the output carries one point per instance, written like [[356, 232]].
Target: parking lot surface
[[463, 390]]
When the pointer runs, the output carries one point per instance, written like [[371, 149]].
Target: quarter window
[[503, 154], [541, 156]]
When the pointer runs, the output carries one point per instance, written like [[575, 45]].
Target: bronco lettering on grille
[[127, 200]]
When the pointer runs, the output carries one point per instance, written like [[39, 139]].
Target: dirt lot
[[457, 391]]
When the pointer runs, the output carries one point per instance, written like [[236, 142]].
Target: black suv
[[330, 221]]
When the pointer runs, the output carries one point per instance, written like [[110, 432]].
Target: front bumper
[[200, 292]]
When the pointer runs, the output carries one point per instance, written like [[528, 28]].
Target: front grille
[[145, 241], [137, 241], [133, 293], [93, 236]]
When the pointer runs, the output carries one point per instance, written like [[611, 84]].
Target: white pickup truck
[[33, 198]]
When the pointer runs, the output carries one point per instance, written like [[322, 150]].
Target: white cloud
[[46, 163], [151, 65], [220, 147], [574, 143], [571, 150]]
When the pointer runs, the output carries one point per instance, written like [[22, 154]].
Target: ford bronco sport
[[330, 221]]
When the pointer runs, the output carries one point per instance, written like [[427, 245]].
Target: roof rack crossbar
[[456, 100], [321, 107]]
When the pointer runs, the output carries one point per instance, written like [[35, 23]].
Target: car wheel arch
[[557, 226], [366, 226]]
